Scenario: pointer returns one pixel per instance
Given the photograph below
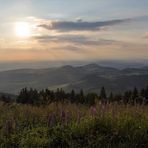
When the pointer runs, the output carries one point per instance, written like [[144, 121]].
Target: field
[[64, 125]]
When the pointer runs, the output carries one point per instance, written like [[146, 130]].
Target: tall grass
[[70, 125]]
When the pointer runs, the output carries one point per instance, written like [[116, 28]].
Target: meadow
[[67, 125]]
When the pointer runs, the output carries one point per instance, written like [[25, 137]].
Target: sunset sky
[[73, 29]]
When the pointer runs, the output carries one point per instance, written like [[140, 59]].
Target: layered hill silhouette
[[90, 78]]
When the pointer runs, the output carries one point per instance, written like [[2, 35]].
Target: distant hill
[[89, 77]]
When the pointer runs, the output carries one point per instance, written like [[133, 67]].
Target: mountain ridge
[[90, 77]]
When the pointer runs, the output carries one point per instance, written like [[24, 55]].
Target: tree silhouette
[[103, 93]]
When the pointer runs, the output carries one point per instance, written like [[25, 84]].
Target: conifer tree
[[111, 97], [103, 93]]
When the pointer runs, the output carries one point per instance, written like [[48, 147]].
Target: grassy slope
[[70, 125]]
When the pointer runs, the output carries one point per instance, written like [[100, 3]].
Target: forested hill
[[90, 78]]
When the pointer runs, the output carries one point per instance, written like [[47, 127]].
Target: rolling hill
[[89, 77]]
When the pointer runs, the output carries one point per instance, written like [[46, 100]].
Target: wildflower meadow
[[67, 125]]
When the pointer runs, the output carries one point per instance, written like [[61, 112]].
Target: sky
[[73, 30]]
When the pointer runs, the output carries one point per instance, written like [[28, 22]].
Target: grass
[[64, 125]]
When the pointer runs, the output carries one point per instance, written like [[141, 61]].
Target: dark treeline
[[45, 97], [6, 99]]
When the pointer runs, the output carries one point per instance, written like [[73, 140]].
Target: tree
[[111, 96], [127, 96], [5, 99], [90, 99], [135, 94], [29, 96], [103, 93], [146, 95], [142, 92], [81, 97], [72, 96], [23, 96]]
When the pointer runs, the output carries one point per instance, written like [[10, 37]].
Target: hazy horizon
[[119, 64]]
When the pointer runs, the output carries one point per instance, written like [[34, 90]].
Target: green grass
[[75, 126]]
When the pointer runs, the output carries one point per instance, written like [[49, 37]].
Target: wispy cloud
[[80, 25], [75, 39]]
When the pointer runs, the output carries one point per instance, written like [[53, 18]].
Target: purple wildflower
[[8, 126], [78, 117], [63, 116], [103, 109], [50, 120], [93, 111], [67, 117], [114, 112]]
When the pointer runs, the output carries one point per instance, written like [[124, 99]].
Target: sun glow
[[22, 29]]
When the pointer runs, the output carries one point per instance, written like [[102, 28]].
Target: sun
[[22, 29]]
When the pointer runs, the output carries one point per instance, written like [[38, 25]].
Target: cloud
[[80, 25], [45, 38], [62, 38], [75, 39]]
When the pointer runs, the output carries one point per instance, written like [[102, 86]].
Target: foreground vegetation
[[64, 125]]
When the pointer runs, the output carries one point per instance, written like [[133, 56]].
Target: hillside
[[89, 77]]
